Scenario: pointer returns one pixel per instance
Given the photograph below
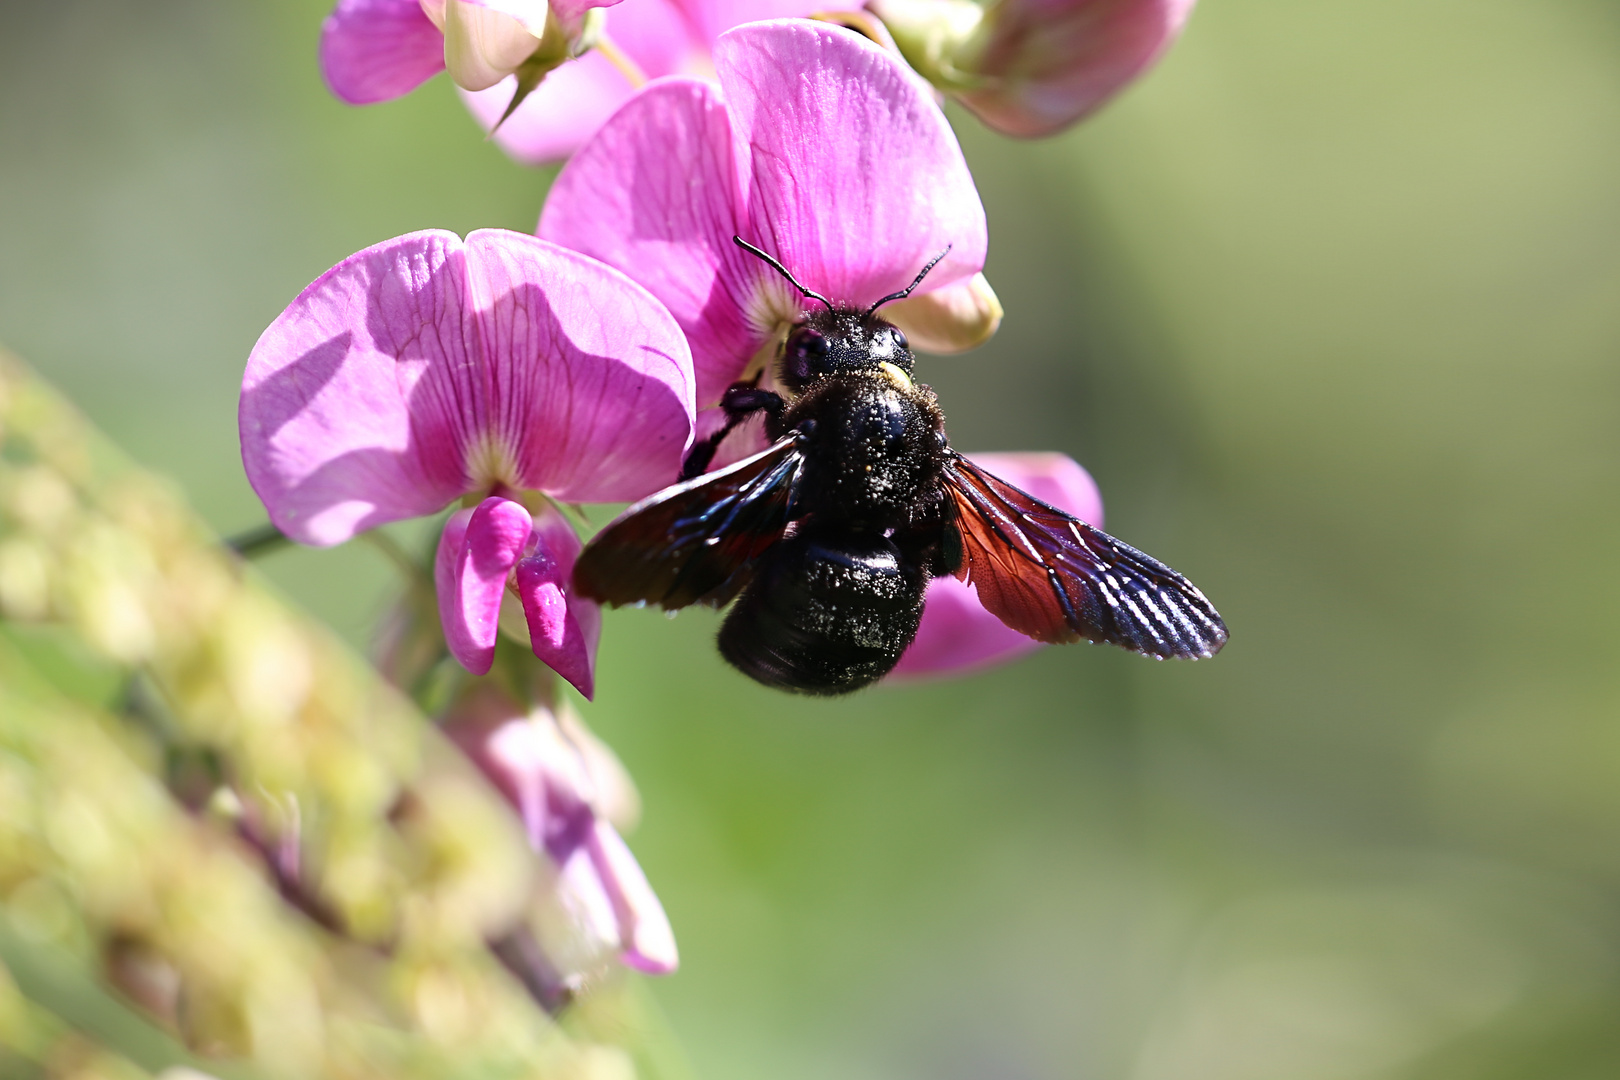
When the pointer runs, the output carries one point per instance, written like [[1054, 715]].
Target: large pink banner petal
[[343, 420], [653, 194], [588, 375], [957, 634], [853, 173], [376, 50]]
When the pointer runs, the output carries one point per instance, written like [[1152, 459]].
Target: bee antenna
[[905, 292], [809, 294]]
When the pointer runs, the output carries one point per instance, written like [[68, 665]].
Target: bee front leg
[[739, 402]]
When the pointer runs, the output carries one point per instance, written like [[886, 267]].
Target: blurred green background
[[1330, 306]]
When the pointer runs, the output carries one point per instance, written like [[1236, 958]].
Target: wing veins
[[1130, 598]]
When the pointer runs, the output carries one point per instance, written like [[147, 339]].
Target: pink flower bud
[[1032, 67], [568, 790]]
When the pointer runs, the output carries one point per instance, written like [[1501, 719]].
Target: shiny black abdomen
[[873, 448], [828, 611]]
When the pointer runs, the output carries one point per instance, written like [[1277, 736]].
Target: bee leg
[[739, 402]]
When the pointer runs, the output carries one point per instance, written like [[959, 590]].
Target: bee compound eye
[[900, 341], [809, 343]]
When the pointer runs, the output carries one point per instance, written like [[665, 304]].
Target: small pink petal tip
[[647, 942]]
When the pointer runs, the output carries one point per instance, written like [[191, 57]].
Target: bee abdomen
[[825, 615]]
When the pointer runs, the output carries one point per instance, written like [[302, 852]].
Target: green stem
[[257, 542]]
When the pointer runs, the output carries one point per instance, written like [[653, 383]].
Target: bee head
[[841, 341]]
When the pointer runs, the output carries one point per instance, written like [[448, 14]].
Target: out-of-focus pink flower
[[818, 146], [640, 40], [957, 634], [500, 371], [376, 50], [1032, 67], [570, 791]]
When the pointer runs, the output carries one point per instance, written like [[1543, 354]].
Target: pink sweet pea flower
[[1032, 67], [822, 149], [377, 50], [641, 40], [817, 145], [570, 792], [503, 371], [957, 634]]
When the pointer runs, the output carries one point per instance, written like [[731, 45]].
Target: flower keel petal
[[494, 540], [563, 629]]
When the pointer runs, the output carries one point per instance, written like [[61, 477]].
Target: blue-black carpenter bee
[[827, 540]]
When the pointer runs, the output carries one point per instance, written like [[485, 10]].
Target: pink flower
[[377, 50], [818, 146], [569, 790], [1032, 67], [503, 371], [822, 149], [957, 634]]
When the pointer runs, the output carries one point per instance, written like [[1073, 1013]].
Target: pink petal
[[492, 543], [645, 934], [587, 377], [957, 634], [508, 747], [341, 420], [400, 381], [1051, 62], [569, 11], [557, 118], [581, 893], [653, 194], [711, 18], [375, 50], [854, 179], [659, 37], [563, 628], [576, 99]]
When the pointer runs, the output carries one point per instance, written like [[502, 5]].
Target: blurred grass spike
[[212, 808]]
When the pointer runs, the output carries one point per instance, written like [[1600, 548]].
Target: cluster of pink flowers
[[505, 377], [1024, 67]]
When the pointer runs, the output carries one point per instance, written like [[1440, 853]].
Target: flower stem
[[257, 542]]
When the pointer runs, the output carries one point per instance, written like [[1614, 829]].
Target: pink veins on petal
[[817, 146], [426, 369]]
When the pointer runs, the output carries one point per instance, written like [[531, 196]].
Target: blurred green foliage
[[1329, 306], [210, 805]]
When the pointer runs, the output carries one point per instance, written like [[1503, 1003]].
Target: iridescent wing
[[1054, 578], [694, 542]]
